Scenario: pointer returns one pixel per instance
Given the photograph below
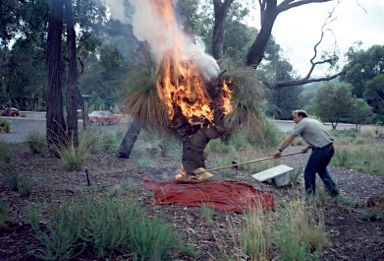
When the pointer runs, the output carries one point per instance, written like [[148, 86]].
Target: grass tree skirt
[[225, 195]]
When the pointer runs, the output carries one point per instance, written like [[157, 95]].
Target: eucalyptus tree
[[269, 11], [89, 16], [55, 124], [333, 102], [364, 71], [282, 101], [23, 27], [374, 95], [361, 113]]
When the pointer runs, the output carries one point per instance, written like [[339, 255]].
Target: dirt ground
[[350, 235]]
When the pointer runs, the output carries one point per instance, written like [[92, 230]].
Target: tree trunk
[[256, 52], [221, 11], [72, 90], [55, 127], [130, 137]]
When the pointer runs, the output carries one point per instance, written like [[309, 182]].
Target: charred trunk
[[130, 138], [193, 147], [195, 137]]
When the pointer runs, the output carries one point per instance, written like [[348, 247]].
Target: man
[[321, 142]]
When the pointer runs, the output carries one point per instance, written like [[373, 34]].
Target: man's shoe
[[334, 193]]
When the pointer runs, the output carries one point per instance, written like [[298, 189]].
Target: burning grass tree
[[178, 88], [234, 101]]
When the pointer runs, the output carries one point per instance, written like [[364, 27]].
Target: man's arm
[[284, 145]]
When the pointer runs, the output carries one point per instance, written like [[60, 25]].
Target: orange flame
[[180, 77], [182, 175]]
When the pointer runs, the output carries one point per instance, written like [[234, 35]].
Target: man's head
[[298, 115]]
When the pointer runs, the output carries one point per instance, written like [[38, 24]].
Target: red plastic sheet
[[225, 195]]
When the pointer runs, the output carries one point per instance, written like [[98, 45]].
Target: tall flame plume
[[182, 73]]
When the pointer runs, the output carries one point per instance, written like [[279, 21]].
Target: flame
[[184, 176], [182, 77], [182, 173]]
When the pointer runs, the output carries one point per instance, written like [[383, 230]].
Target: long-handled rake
[[205, 173]]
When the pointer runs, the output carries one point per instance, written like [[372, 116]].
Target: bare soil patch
[[350, 235]]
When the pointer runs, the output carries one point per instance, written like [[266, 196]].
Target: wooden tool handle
[[252, 161]]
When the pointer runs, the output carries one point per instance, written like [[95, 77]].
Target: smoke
[[157, 23], [118, 11]]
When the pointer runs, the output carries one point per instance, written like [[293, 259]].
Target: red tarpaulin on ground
[[225, 195]]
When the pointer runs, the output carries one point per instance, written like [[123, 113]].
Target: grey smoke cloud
[[162, 35]]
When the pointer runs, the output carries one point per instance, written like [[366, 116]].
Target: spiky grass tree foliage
[[141, 98], [142, 101], [247, 102]]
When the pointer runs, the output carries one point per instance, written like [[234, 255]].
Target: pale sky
[[298, 30]]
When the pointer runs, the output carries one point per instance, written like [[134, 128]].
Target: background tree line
[[104, 49]]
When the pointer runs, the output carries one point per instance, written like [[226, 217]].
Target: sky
[[299, 29]]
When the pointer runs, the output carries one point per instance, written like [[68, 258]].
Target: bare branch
[[278, 85], [327, 21], [361, 6], [288, 4]]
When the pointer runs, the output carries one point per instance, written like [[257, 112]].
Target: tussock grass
[[256, 235], [105, 224], [36, 142], [5, 126], [75, 158], [365, 157], [5, 151], [296, 230], [4, 214], [144, 162], [300, 233], [16, 182], [12, 177], [207, 211], [373, 214], [24, 186]]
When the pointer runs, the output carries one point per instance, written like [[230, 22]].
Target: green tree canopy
[[362, 66], [361, 112], [374, 94], [333, 102]]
